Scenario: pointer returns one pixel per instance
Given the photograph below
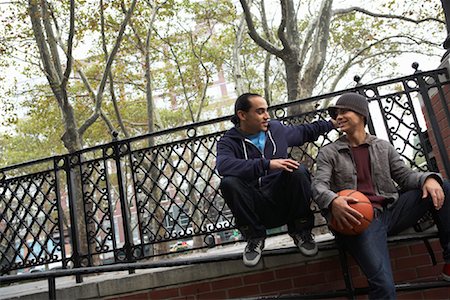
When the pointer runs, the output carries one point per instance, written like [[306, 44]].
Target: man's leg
[[410, 207], [370, 251], [442, 220], [292, 194], [370, 248], [242, 199]]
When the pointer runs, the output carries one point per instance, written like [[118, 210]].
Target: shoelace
[[252, 244], [306, 236]]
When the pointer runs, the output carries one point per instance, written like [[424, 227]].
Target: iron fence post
[[62, 237], [123, 204], [73, 217], [52, 288]]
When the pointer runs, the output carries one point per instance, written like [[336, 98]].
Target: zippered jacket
[[336, 171], [238, 156]]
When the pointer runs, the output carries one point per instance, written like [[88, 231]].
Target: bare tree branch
[[316, 61], [254, 34], [101, 87], [208, 77], [292, 34], [91, 120], [379, 15], [282, 28], [148, 74], [264, 22], [267, 94], [46, 58], [87, 85], [94, 117], [354, 59], [51, 40], [68, 70], [113, 53], [236, 66], [307, 40], [110, 75]]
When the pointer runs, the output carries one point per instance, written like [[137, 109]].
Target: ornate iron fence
[[157, 194]]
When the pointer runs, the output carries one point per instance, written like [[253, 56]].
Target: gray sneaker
[[252, 252], [305, 243]]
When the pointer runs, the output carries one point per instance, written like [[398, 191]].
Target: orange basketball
[[363, 206]]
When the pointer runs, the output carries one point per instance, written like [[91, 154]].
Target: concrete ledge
[[280, 251]]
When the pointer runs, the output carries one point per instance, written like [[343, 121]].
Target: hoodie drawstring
[[273, 142], [245, 150]]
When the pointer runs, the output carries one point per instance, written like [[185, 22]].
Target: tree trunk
[[267, 93], [237, 71], [292, 77], [39, 12]]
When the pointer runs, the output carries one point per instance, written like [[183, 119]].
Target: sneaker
[[446, 272], [252, 252], [305, 243]]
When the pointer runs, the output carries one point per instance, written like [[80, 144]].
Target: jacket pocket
[[343, 177]]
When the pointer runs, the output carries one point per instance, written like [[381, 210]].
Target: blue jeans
[[370, 249]]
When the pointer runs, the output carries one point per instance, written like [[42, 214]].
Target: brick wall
[[443, 126], [410, 261]]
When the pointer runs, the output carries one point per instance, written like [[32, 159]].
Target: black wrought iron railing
[[157, 194]]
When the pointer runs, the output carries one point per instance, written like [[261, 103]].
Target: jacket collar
[[343, 144], [236, 133]]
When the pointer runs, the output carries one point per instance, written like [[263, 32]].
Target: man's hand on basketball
[[285, 164], [432, 188], [346, 217]]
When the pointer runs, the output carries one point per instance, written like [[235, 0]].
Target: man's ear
[[242, 115]]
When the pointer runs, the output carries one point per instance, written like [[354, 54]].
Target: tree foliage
[[319, 42], [159, 69]]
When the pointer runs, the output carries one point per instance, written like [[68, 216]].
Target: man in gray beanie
[[351, 101], [363, 162]]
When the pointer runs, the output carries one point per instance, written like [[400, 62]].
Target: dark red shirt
[[364, 175]]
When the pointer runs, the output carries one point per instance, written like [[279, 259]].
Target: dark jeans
[[370, 249], [286, 200]]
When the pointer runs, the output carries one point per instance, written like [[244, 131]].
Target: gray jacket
[[336, 171]]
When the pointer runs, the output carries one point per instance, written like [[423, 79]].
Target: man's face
[[257, 118], [349, 121]]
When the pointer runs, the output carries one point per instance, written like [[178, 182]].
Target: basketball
[[363, 206]]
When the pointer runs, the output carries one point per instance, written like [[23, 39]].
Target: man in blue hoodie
[[261, 185]]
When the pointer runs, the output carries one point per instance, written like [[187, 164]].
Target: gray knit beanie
[[351, 101]]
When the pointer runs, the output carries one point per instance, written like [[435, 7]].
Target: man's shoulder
[[275, 126], [374, 140], [341, 142], [231, 133], [331, 149], [275, 123], [230, 137]]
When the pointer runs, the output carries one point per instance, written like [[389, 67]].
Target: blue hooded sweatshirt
[[238, 156]]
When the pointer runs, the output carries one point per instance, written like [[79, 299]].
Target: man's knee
[[229, 183], [386, 291], [302, 173], [446, 188], [382, 285]]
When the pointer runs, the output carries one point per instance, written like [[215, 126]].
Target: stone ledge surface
[[115, 283]]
